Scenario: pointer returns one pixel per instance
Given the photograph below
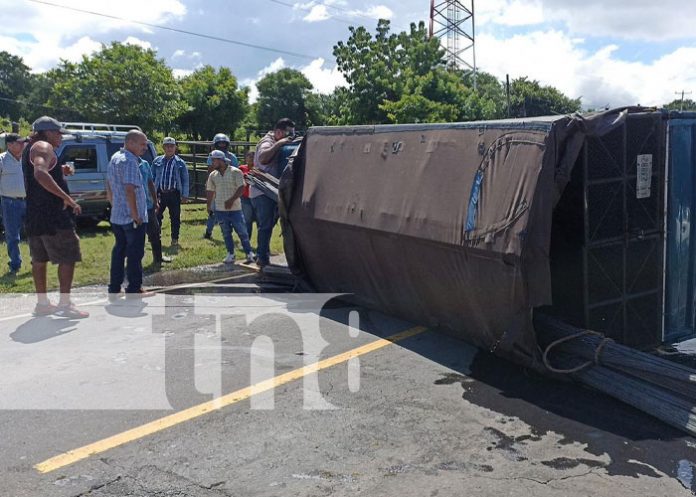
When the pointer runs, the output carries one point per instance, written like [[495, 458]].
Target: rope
[[577, 369]]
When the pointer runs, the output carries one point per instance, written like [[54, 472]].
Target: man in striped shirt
[[172, 182]]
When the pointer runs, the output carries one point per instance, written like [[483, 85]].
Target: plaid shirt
[[224, 186], [124, 169]]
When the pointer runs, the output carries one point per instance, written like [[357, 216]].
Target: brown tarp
[[385, 213]]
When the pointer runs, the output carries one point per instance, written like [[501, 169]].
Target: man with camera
[[266, 160]]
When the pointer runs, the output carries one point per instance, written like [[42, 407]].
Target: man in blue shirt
[[172, 182], [128, 215], [153, 226], [220, 142]]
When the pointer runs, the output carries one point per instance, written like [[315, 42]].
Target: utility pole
[[681, 107], [453, 21]]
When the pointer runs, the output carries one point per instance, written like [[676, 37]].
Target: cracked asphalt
[[426, 416]]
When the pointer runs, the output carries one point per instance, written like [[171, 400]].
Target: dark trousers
[[154, 235], [171, 200], [130, 245]]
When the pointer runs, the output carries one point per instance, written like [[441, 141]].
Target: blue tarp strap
[[473, 202]]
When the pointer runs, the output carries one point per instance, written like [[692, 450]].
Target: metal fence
[[195, 154]]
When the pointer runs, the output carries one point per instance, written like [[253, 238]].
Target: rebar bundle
[[661, 388]]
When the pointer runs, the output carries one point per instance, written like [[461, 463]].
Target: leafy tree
[[286, 93], [528, 98], [686, 105], [213, 103], [15, 84], [378, 68], [121, 84]]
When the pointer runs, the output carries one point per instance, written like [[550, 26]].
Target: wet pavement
[[426, 416]]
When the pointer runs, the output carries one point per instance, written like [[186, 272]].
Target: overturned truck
[[472, 227]]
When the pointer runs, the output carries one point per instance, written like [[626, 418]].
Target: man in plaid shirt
[[225, 187]]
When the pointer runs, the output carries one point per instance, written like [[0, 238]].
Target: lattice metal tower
[[453, 22]]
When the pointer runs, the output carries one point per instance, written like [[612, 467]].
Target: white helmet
[[221, 138]]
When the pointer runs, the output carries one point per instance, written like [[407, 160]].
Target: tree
[[213, 103], [378, 68], [528, 98], [286, 93], [686, 105], [120, 84], [15, 84]]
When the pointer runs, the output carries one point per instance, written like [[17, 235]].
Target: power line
[[181, 31], [334, 7], [309, 9]]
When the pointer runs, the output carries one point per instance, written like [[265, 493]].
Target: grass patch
[[96, 244]]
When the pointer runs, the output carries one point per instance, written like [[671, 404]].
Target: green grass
[[96, 244]]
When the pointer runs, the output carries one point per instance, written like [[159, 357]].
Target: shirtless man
[[50, 218]]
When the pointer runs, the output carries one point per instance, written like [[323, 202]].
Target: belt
[[14, 198], [169, 191]]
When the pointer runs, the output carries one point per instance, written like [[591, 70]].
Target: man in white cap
[[220, 142], [50, 218], [172, 182], [12, 196], [225, 187]]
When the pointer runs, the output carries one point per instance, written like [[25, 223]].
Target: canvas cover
[[444, 225]]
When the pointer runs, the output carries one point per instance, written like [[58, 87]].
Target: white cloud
[[181, 73], [61, 33], [601, 77], [630, 19], [375, 12], [274, 66], [324, 80], [178, 53], [317, 13], [132, 40]]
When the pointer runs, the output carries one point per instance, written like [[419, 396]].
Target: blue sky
[[617, 53]]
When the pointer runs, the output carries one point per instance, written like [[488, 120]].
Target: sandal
[[70, 311], [45, 309]]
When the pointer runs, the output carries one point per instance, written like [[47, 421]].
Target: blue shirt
[[146, 173], [124, 169], [171, 174]]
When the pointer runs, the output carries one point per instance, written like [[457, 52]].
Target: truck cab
[[89, 147]]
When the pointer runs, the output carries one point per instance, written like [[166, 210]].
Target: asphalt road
[[427, 415]]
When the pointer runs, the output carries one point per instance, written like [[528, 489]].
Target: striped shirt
[[167, 178], [124, 169]]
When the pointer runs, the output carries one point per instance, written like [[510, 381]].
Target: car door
[[87, 184]]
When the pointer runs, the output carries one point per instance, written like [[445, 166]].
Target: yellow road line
[[72, 456]]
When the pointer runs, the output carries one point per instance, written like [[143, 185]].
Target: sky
[[606, 52]]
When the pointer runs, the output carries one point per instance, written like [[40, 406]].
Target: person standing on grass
[[225, 187], [153, 226], [50, 218], [266, 160], [247, 206], [12, 197], [172, 182], [220, 142], [128, 216]]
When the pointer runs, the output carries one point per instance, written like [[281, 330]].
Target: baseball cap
[[219, 154], [46, 123], [14, 137], [169, 141]]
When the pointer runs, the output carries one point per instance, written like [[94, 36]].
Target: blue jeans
[[266, 215], [13, 212], [130, 244], [249, 215], [229, 220], [212, 220]]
